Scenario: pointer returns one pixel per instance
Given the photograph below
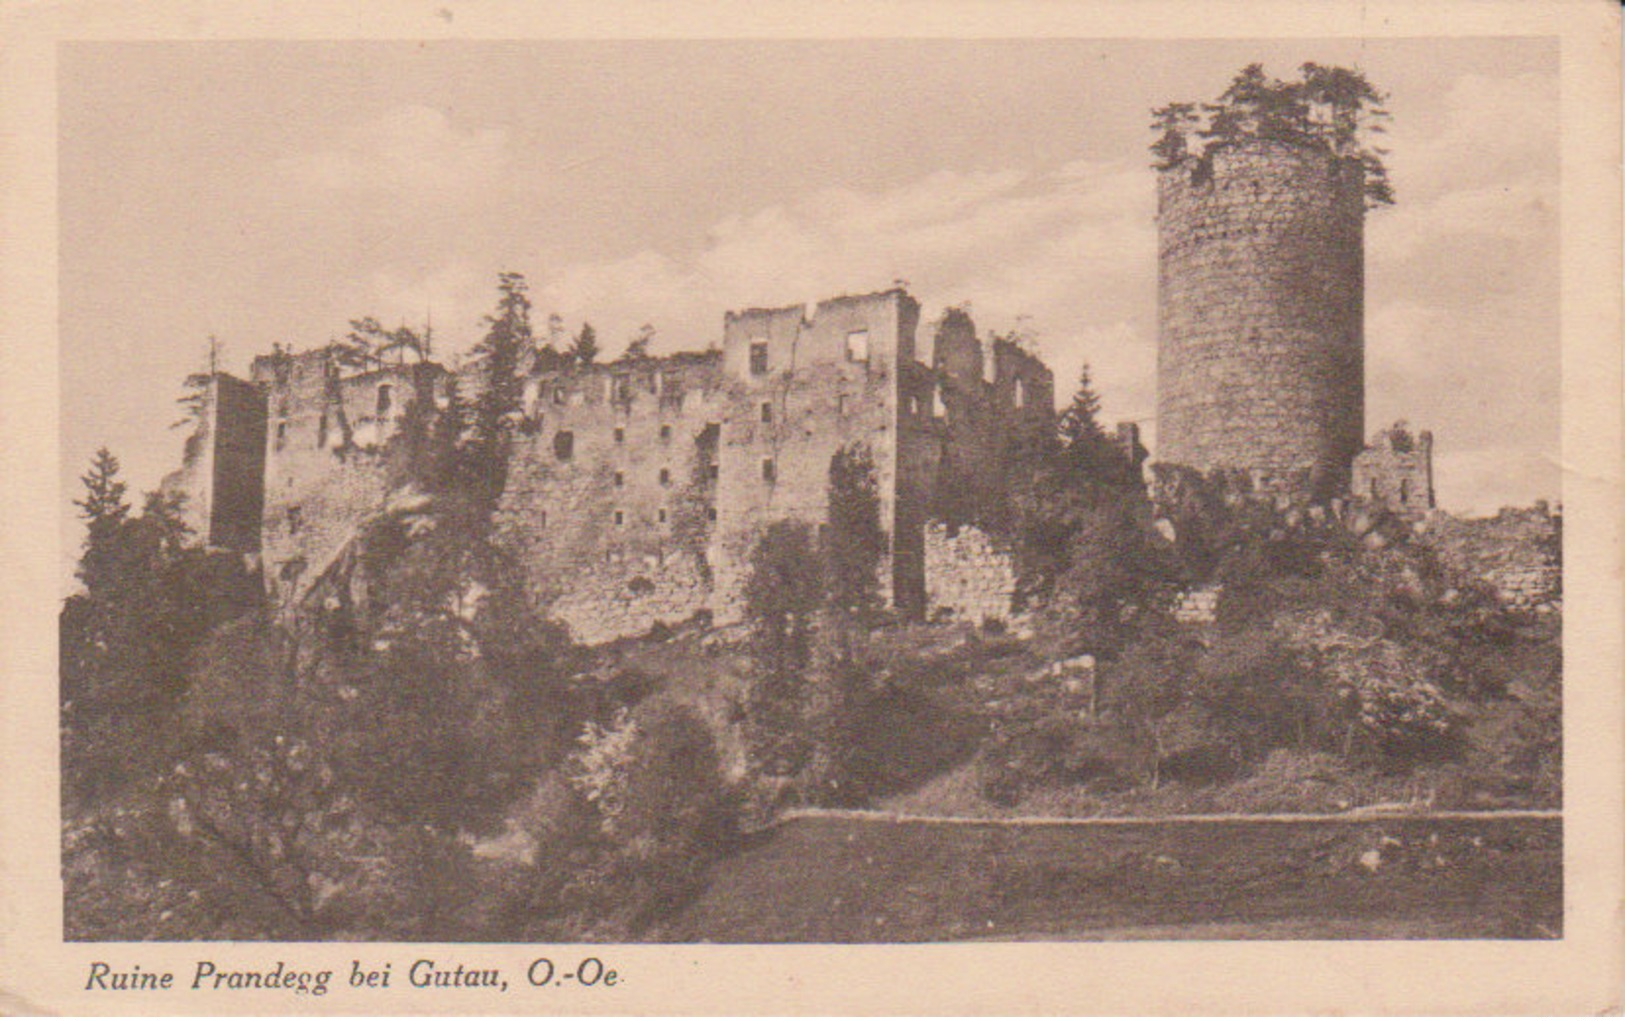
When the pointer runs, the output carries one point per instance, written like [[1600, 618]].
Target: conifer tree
[[105, 511], [585, 348], [496, 410]]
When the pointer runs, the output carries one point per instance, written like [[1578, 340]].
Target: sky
[[269, 192]]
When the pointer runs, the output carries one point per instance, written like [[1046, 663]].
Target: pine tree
[[105, 510], [496, 411], [585, 348], [104, 493], [1079, 422]]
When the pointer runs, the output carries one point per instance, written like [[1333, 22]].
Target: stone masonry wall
[[958, 421], [221, 478], [1396, 471], [1260, 296], [968, 573], [611, 493], [1516, 551], [238, 502], [325, 457], [637, 489], [826, 382]]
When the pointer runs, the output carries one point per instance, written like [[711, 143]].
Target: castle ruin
[[636, 489]]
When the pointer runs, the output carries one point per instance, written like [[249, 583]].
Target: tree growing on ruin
[[194, 399], [496, 411], [368, 343], [585, 348], [854, 542], [637, 349], [1334, 109]]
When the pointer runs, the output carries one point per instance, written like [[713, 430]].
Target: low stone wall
[[1199, 605], [1516, 551], [968, 572]]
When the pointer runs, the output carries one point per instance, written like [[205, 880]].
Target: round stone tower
[[1260, 353]]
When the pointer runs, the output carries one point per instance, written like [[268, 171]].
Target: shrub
[[654, 782], [1057, 750]]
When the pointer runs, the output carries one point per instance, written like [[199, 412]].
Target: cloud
[[453, 296], [1462, 277], [1072, 252], [1493, 130], [1462, 328], [409, 152]]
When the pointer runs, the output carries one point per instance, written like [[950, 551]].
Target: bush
[[654, 782], [1057, 750]]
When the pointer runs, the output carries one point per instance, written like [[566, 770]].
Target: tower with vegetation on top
[[1261, 204]]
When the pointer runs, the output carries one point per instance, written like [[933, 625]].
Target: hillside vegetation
[[417, 753]]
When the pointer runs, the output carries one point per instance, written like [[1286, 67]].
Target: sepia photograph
[[596, 492]]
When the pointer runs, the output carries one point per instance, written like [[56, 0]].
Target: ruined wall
[[827, 382], [1518, 551], [960, 422], [612, 492], [1396, 471], [326, 456], [222, 475], [636, 490], [1260, 295], [968, 573]]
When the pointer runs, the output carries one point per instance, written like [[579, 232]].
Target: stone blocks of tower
[[326, 455], [1260, 360], [222, 475]]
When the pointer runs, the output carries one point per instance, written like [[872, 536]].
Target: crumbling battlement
[[325, 450], [1396, 471]]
